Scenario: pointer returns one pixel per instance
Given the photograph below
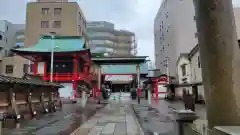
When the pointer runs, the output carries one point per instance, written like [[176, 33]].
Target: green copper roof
[[124, 69], [61, 44]]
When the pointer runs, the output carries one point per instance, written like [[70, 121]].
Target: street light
[[52, 53]]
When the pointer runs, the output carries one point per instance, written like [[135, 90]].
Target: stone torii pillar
[[138, 82], [220, 58], [99, 83]]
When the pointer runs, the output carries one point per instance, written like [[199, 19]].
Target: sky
[[134, 15]]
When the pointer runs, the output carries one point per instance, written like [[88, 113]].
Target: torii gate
[[119, 60]]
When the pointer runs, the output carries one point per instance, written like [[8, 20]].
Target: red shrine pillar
[[45, 71], [75, 75], [35, 68]]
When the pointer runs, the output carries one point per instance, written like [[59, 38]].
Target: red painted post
[[45, 70], [74, 85], [35, 68], [75, 63], [139, 92]]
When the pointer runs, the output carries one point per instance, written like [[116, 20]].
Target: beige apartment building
[[42, 17], [104, 38]]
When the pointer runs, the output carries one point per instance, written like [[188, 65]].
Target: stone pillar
[[150, 94], [220, 60], [156, 89], [99, 83], [84, 99], [30, 105], [43, 103], [13, 101], [138, 82]]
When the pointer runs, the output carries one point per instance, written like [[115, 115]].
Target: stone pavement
[[166, 107], [116, 118]]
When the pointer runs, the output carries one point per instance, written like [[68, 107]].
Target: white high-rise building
[[174, 33]]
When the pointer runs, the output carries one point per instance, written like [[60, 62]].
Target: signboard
[[163, 80], [118, 77]]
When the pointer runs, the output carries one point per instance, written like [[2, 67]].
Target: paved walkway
[[165, 107], [115, 119]]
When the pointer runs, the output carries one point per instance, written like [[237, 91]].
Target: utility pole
[[52, 53], [220, 60]]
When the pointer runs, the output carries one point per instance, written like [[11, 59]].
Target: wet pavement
[[59, 123], [200, 125], [155, 122], [117, 118], [159, 117]]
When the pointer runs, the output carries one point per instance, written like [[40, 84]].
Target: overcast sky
[[133, 15]]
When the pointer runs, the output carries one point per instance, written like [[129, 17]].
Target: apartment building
[[42, 17], [175, 32], [7, 37], [20, 35], [104, 38], [59, 16]]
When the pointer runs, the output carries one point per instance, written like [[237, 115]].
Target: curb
[[136, 121], [78, 129]]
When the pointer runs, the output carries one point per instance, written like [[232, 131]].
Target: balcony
[[101, 35], [102, 49], [123, 46], [106, 43], [124, 39]]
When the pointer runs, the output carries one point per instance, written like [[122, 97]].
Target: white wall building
[[183, 69], [189, 72]]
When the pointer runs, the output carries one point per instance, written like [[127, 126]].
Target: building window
[[199, 63], [25, 68], [196, 35], [57, 11], [80, 30], [183, 67], [31, 68], [6, 40], [238, 43], [57, 24], [45, 11], [6, 53], [166, 14], [7, 28], [1, 37], [9, 69], [44, 24]]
